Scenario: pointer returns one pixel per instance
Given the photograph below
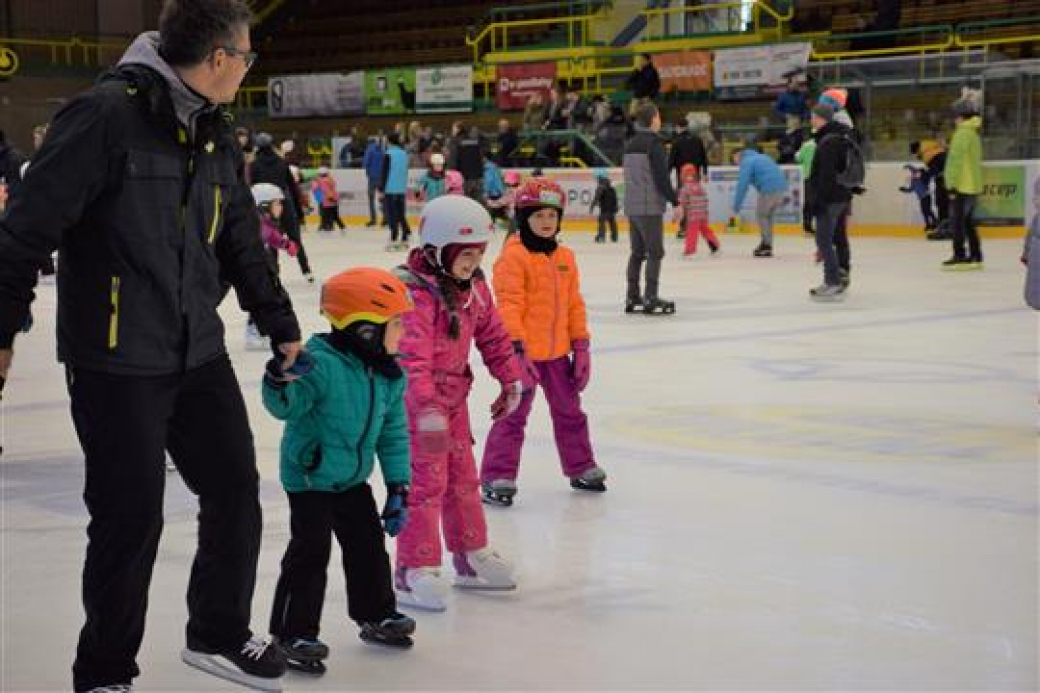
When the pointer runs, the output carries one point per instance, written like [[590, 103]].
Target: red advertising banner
[[684, 71], [516, 83]]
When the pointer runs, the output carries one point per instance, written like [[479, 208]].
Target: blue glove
[[395, 511]]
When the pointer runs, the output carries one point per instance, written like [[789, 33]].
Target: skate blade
[[313, 668], [399, 643], [220, 667], [497, 502], [476, 584]]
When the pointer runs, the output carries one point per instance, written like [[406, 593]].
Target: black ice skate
[[634, 305], [658, 306], [305, 656], [393, 631], [499, 492], [590, 480]]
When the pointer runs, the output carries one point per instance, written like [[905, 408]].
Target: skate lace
[[255, 649]]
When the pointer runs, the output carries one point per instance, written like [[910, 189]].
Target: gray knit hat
[[824, 111]]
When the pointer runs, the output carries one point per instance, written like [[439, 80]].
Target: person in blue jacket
[[762, 173], [373, 165], [342, 412], [394, 187]]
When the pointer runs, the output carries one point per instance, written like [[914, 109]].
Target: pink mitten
[[581, 364]]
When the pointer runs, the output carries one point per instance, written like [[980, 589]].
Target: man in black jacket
[[830, 200], [644, 82], [140, 183], [467, 157], [11, 162], [269, 167]]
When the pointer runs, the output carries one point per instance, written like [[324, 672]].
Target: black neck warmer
[[365, 340], [531, 240]]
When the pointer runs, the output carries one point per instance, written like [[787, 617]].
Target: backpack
[[854, 173]]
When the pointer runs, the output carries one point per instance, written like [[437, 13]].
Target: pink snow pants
[[445, 490]]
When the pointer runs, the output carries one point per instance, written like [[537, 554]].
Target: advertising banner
[[751, 72], [309, 96], [1003, 198], [444, 89], [516, 84], [684, 71], [390, 91]]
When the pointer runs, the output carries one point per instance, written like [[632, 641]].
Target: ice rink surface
[[801, 496]]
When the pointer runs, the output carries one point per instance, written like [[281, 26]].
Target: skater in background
[[804, 159], [606, 199], [270, 206], [693, 211], [148, 369], [453, 312], [394, 187], [917, 184], [551, 341], [1031, 253], [760, 172], [830, 202], [373, 165], [432, 184], [269, 167], [932, 154], [345, 411], [327, 198], [454, 183], [648, 190], [963, 175], [501, 208]]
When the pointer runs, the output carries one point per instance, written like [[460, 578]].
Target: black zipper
[[368, 421]]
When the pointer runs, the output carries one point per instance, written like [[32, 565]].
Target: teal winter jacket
[[339, 417]]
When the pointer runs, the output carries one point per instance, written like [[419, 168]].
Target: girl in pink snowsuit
[[454, 309]]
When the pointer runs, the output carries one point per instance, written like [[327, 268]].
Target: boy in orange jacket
[[539, 296]]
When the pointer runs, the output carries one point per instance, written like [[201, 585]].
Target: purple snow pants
[[570, 427]]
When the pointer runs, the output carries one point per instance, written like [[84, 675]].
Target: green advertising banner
[[390, 91], [1003, 198]]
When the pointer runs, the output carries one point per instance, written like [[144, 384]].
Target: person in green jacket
[[963, 175], [341, 413], [804, 158]]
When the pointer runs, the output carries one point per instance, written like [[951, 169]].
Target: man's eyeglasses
[[248, 57]]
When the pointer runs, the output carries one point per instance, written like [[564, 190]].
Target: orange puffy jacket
[[539, 297]]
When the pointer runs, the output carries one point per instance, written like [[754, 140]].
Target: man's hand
[[6, 355], [291, 350]]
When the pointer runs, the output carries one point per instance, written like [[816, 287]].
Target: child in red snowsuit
[[693, 207]]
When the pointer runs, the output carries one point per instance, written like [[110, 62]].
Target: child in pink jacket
[[693, 208], [453, 309], [270, 203]]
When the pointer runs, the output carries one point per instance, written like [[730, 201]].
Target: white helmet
[[437, 159], [454, 219], [265, 193]]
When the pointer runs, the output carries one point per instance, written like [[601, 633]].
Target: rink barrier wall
[[1008, 204]]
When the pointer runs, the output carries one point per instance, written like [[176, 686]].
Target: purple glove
[[581, 365], [528, 373]]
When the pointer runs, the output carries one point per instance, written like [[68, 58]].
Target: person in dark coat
[[644, 82], [141, 185]]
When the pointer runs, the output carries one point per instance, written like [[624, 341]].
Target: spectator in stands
[[793, 104], [556, 118], [534, 112], [760, 172], [395, 188], [413, 143], [964, 178], [611, 137], [647, 190], [507, 142], [600, 112], [39, 132], [11, 161], [467, 157], [576, 109], [373, 164], [268, 167], [644, 82]]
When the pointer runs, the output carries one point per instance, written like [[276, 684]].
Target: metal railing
[[495, 35], [943, 40], [963, 32], [758, 8], [73, 52]]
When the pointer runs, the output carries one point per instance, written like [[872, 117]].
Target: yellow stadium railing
[[936, 38], [994, 32], [74, 52], [494, 37]]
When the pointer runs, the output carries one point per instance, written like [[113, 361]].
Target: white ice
[[801, 496]]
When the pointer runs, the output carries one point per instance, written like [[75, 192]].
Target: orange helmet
[[363, 293], [540, 192]]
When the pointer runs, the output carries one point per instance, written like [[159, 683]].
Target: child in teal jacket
[[343, 412]]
